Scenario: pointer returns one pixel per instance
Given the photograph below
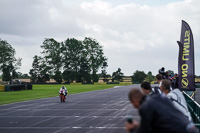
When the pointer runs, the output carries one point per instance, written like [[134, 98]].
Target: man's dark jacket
[[158, 115]]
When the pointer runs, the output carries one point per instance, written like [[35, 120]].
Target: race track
[[101, 111]]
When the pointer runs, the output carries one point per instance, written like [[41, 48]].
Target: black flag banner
[[186, 59]]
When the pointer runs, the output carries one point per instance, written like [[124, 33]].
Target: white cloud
[[134, 36]]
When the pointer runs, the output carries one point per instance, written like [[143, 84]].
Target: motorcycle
[[62, 96]]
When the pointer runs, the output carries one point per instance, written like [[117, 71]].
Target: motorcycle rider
[[64, 90]]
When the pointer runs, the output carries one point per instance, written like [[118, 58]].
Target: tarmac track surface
[[101, 111]]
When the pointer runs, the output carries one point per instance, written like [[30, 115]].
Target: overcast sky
[[135, 34]]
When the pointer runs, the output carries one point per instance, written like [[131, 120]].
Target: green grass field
[[42, 91]]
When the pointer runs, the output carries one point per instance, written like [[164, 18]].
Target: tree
[[24, 76], [138, 76], [150, 77], [170, 72], [103, 72], [72, 59], [95, 56], [6, 69], [40, 71], [72, 51], [8, 63], [53, 55], [85, 71], [197, 76], [57, 76], [68, 76], [117, 75], [34, 72]]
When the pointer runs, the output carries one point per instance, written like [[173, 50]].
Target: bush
[[135, 82], [87, 83], [113, 83], [18, 87]]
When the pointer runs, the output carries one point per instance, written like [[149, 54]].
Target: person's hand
[[131, 126]]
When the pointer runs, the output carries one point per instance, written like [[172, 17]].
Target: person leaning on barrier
[[158, 115], [147, 90], [176, 98]]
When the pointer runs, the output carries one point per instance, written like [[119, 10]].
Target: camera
[[161, 71], [129, 119]]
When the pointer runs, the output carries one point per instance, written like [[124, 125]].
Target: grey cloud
[[134, 36], [33, 18]]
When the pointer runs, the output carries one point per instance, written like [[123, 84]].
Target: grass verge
[[43, 91]]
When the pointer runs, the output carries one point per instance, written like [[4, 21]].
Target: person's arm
[[66, 90], [131, 127]]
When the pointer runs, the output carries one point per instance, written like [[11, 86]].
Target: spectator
[[176, 80], [163, 73], [176, 98], [158, 115], [166, 75], [147, 90], [170, 77], [159, 79]]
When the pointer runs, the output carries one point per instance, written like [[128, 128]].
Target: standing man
[[158, 115]]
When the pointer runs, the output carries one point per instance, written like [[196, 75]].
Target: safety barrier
[[16, 87], [2, 88], [194, 109]]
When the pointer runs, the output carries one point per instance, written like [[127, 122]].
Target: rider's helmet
[[63, 87]]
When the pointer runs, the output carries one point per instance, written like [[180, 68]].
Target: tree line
[[69, 60], [8, 63]]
